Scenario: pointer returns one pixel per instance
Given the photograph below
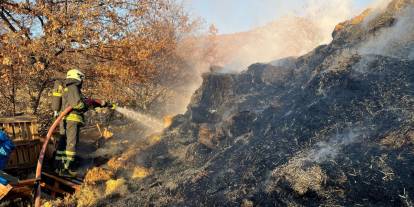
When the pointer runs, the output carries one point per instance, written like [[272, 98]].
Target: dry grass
[[107, 134], [115, 163], [354, 21], [396, 140], [117, 186], [299, 178], [206, 136], [140, 172], [88, 196], [98, 174], [247, 203], [121, 162]]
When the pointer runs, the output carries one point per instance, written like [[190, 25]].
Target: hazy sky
[[231, 16]]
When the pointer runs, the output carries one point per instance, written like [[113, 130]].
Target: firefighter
[[70, 127]]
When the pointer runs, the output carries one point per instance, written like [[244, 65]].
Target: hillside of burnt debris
[[333, 127]]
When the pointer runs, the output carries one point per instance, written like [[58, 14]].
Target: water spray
[[146, 120]]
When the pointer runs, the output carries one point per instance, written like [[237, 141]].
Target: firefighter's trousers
[[67, 145]]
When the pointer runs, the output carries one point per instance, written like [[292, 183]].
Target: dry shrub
[[98, 174], [300, 178], [135, 49], [117, 186]]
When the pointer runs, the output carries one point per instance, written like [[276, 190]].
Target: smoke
[[291, 35], [329, 150], [380, 5], [396, 41], [303, 26], [129, 135]]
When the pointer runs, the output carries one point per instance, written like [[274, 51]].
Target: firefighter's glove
[[113, 106], [110, 105]]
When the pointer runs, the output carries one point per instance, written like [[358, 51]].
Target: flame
[[168, 120]]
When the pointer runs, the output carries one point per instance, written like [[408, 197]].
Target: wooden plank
[[19, 192], [33, 155], [53, 189], [25, 155], [35, 130], [29, 131], [19, 156], [17, 119], [19, 129], [32, 133], [4, 190], [55, 186], [12, 160], [28, 182], [63, 181], [24, 131], [13, 132]]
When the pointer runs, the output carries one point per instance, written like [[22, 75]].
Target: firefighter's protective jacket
[[57, 93], [72, 96]]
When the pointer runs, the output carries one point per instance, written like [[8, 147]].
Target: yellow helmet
[[75, 74]]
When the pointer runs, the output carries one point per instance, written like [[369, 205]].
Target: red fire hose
[[43, 151]]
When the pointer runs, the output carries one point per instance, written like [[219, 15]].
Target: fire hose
[[43, 151], [91, 102]]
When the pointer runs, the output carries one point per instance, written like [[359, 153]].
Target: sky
[[231, 16]]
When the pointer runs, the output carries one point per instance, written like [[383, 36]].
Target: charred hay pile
[[333, 127]]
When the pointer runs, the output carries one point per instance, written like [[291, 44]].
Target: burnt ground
[[333, 127]]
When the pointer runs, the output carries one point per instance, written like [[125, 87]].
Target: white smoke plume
[[395, 41], [302, 26], [330, 149], [380, 5], [291, 35]]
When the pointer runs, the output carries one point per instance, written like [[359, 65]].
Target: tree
[[118, 43]]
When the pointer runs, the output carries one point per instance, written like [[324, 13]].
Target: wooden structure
[[23, 130], [21, 189], [16, 188], [59, 185]]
